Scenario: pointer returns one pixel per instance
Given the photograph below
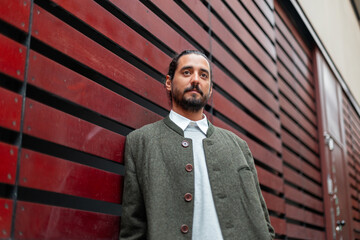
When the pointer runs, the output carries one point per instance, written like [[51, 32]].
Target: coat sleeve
[[251, 164], [133, 219]]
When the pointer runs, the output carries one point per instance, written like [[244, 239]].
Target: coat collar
[[177, 129]]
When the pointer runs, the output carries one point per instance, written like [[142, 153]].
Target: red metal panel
[[301, 181], [6, 209], [8, 162], [270, 180], [304, 68], [301, 232], [117, 31], [304, 215], [74, 87], [111, 65], [279, 225], [53, 125], [260, 19], [266, 10], [147, 19], [16, 12], [295, 114], [247, 19], [53, 174], [10, 105], [12, 58], [37, 221], [243, 97], [298, 102], [301, 165], [274, 203], [259, 152], [235, 114], [288, 29], [292, 68], [296, 86], [290, 125], [226, 37], [303, 198], [299, 148]]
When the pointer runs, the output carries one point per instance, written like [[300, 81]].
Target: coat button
[[189, 167], [188, 197], [185, 143], [184, 228]]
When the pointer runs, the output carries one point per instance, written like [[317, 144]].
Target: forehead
[[193, 60]]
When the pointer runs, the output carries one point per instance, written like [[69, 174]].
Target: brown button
[[189, 167], [184, 228], [185, 143], [188, 197]]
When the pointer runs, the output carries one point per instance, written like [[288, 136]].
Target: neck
[[193, 116]]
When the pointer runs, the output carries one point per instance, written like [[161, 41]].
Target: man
[[185, 178]]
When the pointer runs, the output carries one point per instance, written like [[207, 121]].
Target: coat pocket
[[251, 205]]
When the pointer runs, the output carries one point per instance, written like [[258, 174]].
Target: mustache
[[195, 87]]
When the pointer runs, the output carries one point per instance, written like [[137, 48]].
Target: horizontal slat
[[301, 165], [260, 153], [232, 43], [302, 182], [286, 27], [295, 114], [303, 215], [6, 210], [274, 203], [12, 58], [37, 221], [300, 149], [236, 115], [256, 13], [304, 97], [290, 66], [306, 67], [279, 225], [10, 105], [117, 31], [48, 173], [247, 100], [296, 130], [72, 86], [53, 125], [270, 180], [301, 232], [303, 198], [8, 162], [266, 10], [111, 65], [16, 12]]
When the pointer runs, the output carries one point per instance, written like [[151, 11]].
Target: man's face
[[191, 85]]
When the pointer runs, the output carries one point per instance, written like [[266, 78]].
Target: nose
[[195, 77]]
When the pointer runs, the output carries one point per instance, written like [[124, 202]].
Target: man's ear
[[168, 83]]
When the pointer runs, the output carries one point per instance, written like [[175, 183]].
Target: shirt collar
[[184, 122]]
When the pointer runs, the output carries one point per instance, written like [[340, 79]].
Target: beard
[[192, 103]]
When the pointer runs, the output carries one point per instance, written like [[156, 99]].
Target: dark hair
[[174, 63]]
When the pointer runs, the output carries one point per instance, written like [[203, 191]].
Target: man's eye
[[186, 72], [204, 75]]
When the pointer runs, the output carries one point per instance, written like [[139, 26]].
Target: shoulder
[[147, 130], [224, 134]]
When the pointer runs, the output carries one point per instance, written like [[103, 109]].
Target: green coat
[[156, 181]]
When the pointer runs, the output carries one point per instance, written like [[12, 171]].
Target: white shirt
[[205, 221]]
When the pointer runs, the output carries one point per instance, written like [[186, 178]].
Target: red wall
[[78, 76]]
